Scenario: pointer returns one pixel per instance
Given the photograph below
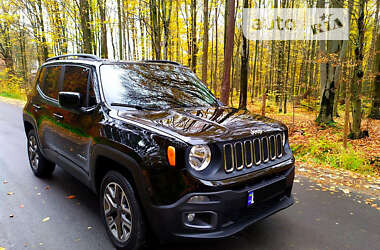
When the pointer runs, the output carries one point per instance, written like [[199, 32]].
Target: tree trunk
[[337, 77], [244, 69], [228, 53], [194, 49], [45, 51], [120, 30], [156, 30], [85, 25], [375, 108], [358, 74], [177, 35], [346, 113], [141, 26], [205, 42], [326, 111], [23, 53], [103, 28], [6, 47], [166, 21], [216, 51]]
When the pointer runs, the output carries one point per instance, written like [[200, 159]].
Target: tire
[[40, 166], [121, 212]]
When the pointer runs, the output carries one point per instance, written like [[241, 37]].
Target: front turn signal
[[171, 156]]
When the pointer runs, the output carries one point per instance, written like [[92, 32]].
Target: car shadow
[[258, 235]]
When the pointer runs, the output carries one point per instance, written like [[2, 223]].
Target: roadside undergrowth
[[322, 146]]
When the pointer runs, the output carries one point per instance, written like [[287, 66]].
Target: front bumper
[[227, 212]]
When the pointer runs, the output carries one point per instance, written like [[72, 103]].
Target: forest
[[326, 91]]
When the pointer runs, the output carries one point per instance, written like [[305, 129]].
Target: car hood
[[204, 125]]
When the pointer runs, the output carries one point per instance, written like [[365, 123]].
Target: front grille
[[253, 152]]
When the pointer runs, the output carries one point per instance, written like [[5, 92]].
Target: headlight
[[200, 157]]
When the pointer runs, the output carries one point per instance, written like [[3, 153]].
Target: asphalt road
[[319, 220]]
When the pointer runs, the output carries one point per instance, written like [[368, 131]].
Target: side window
[[41, 76], [91, 95], [51, 82], [76, 79]]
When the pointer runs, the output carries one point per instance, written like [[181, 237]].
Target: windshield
[[154, 86]]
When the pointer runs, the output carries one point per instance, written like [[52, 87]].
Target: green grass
[[12, 95], [327, 152]]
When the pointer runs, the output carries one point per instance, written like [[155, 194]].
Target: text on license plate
[[251, 198]]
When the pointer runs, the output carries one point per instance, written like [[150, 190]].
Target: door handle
[[37, 107], [58, 116]]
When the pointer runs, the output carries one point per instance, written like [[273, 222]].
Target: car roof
[[89, 59]]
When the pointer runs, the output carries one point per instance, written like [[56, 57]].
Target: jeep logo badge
[[256, 132]]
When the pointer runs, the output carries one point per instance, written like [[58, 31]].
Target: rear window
[[41, 75], [51, 82]]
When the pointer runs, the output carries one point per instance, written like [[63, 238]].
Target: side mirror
[[70, 100]]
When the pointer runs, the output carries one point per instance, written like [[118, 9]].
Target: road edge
[[19, 103]]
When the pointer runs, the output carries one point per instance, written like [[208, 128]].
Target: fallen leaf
[[22, 206], [346, 191], [70, 197], [45, 219], [3, 248], [76, 240], [11, 193], [41, 244]]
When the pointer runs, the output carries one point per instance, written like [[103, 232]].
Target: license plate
[[251, 198]]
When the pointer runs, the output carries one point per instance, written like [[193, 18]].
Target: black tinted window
[[41, 75], [50, 86], [154, 86], [76, 80]]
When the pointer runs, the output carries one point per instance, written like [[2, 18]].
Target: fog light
[[198, 199], [200, 219], [191, 217]]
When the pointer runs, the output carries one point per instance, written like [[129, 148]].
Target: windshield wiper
[[132, 106]]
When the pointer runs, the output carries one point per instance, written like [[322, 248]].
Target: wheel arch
[[28, 127], [105, 158], [29, 124]]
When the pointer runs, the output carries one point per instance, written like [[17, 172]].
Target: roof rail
[[162, 61], [82, 56]]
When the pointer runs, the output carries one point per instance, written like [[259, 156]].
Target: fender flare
[[30, 119], [124, 159]]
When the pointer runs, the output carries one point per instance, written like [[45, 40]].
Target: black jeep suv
[[165, 157]]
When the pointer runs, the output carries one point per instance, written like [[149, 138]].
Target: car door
[[74, 132], [36, 105], [47, 106]]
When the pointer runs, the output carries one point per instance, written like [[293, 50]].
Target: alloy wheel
[[33, 153], [117, 212]]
